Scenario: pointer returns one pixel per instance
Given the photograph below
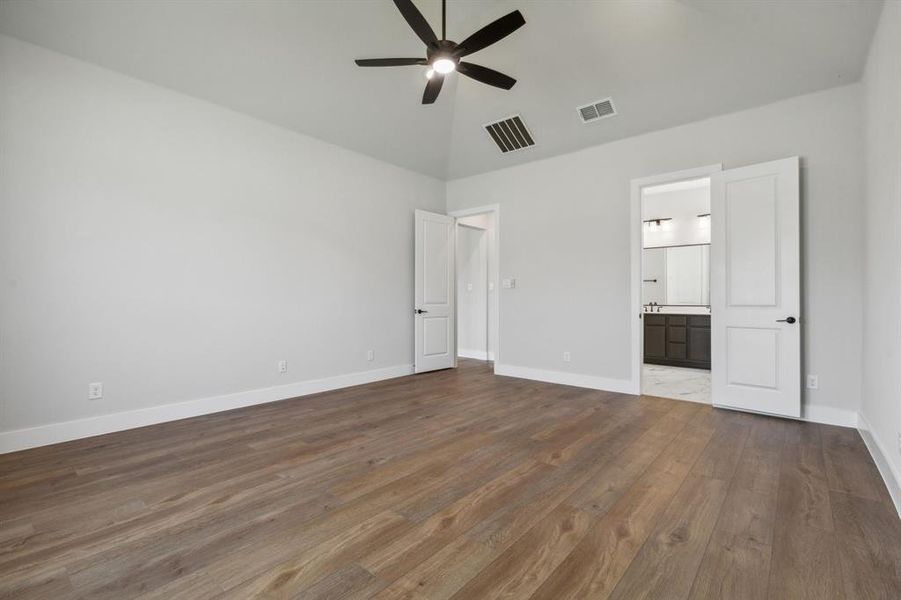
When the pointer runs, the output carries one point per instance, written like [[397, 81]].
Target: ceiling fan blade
[[486, 75], [432, 88], [390, 62], [491, 33], [416, 21]]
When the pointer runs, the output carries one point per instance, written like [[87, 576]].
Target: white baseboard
[[623, 386], [829, 415], [476, 354], [20, 439], [878, 451]]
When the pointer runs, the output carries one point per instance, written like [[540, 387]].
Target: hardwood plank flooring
[[455, 484]]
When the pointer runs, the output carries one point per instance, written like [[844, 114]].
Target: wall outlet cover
[[370, 355], [566, 357], [813, 382], [282, 366], [95, 390]]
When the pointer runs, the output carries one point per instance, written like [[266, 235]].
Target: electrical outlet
[[566, 357], [370, 355], [813, 382], [95, 390], [282, 366]]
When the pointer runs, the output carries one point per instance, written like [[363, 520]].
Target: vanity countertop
[[681, 310]]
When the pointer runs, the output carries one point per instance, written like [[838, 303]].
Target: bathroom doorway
[[675, 349]]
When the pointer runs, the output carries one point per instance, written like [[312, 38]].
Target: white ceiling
[[664, 62]]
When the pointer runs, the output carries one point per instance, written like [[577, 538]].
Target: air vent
[[510, 134], [597, 110]]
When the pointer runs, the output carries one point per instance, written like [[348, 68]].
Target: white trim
[[496, 210], [889, 473], [476, 354], [635, 228], [828, 415], [20, 439], [623, 386]]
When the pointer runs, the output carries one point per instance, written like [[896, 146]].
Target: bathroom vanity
[[677, 339]]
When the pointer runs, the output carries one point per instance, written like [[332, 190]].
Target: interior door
[[755, 288], [433, 311]]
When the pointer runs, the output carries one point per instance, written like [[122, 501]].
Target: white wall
[[682, 207], [176, 250], [566, 241], [881, 409]]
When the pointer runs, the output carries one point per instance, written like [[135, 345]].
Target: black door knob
[[788, 320], [419, 311]]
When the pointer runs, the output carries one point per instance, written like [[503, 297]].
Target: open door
[[755, 288], [433, 311]]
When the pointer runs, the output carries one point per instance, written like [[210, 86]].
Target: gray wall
[[175, 250], [881, 410], [565, 238]]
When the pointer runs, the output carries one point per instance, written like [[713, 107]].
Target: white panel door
[[755, 288], [433, 311]]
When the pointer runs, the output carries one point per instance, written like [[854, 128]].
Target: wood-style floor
[[456, 484]]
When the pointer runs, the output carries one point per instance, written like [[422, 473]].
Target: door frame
[[492, 314], [635, 226]]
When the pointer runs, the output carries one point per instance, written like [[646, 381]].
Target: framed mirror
[[676, 275]]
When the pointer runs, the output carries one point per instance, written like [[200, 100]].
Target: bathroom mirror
[[676, 275]]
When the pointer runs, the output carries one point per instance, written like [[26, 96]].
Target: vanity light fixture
[[704, 221], [655, 224]]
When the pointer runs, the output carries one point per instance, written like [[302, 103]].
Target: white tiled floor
[[676, 382]]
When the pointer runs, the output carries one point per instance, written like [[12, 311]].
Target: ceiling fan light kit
[[443, 56]]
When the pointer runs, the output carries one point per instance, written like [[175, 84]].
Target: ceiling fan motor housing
[[442, 49]]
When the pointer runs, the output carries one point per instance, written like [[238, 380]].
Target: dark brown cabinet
[[677, 340]]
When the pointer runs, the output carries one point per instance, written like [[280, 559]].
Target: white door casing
[[433, 309], [755, 288]]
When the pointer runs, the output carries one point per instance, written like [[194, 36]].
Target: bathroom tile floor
[[676, 382]]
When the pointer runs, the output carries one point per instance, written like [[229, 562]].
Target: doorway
[[752, 295], [675, 289], [477, 283], [472, 295]]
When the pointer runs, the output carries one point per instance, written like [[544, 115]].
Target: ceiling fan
[[443, 56]]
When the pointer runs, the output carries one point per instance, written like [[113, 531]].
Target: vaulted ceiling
[[664, 63]]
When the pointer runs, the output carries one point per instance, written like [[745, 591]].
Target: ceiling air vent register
[[510, 134], [597, 110]]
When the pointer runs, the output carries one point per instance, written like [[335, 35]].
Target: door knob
[[419, 311], [788, 320]]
